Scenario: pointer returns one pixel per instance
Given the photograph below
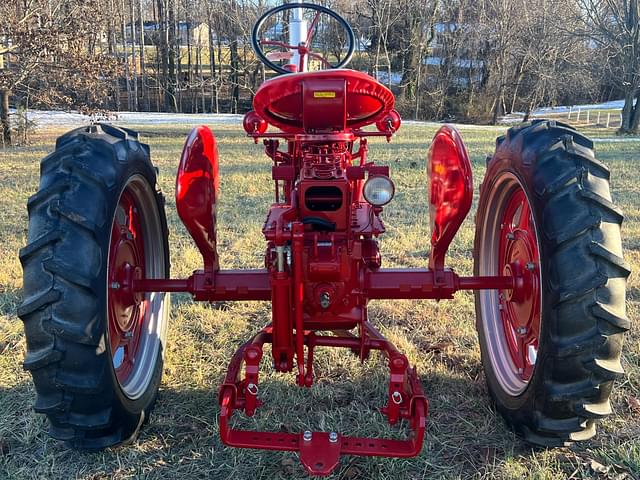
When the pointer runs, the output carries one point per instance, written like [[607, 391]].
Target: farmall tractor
[[549, 277]]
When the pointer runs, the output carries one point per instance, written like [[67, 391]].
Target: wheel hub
[[520, 306], [125, 302], [126, 308]]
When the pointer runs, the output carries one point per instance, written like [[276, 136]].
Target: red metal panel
[[450, 190], [324, 106], [338, 216], [197, 186]]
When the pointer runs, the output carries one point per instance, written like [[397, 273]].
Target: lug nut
[[333, 437], [307, 436]]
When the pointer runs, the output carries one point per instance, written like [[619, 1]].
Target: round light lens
[[378, 190]]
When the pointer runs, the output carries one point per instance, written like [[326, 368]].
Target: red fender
[[197, 192], [450, 190]]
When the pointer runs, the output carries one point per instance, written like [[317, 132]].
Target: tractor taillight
[[390, 122], [254, 123], [450, 190]]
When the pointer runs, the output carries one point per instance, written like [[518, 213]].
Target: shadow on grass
[[465, 438], [464, 435]]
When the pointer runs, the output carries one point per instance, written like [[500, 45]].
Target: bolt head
[[522, 330], [325, 300], [511, 236], [307, 436], [115, 285], [333, 437], [128, 334], [531, 266]]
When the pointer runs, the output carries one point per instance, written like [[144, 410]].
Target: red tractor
[[549, 277]]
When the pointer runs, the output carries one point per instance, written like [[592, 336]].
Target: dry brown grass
[[465, 437]]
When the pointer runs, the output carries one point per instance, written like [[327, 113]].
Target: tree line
[[464, 60]]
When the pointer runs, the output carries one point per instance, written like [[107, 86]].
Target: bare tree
[[144, 94], [411, 42], [614, 26], [463, 59], [51, 56]]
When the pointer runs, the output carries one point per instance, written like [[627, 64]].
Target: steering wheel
[[304, 49]]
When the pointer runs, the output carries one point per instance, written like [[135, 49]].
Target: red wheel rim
[[126, 309], [518, 255]]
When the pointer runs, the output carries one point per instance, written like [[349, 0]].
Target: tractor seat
[[324, 101]]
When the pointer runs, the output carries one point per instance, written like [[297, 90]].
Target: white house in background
[[186, 32]]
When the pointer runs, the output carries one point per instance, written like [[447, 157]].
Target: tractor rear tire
[[551, 356], [93, 184]]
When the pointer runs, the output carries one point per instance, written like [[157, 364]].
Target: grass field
[[465, 437]]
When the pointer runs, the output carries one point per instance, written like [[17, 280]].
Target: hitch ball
[[325, 300]]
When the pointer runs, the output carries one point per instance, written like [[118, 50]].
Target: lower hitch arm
[[320, 451]]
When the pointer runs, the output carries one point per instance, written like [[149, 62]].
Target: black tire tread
[[61, 351], [579, 365]]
